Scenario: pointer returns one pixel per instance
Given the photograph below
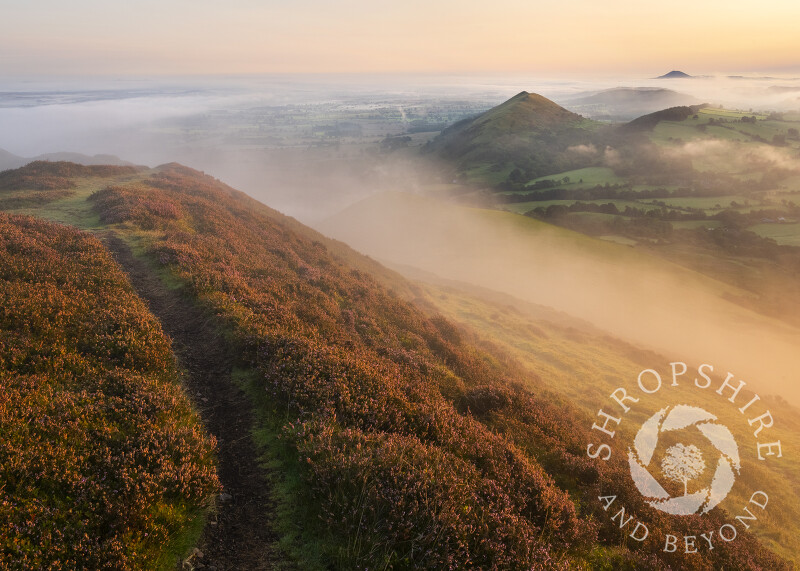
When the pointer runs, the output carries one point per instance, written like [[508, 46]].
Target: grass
[[692, 224], [182, 544], [297, 523], [708, 203], [619, 240], [487, 173], [670, 132], [74, 210], [784, 234]]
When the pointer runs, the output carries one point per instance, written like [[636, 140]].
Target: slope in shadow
[[240, 535]]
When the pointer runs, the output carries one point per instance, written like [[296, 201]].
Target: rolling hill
[[627, 103], [393, 437], [12, 161], [651, 120], [528, 133]]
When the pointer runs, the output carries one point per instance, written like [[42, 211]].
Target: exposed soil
[[239, 537]]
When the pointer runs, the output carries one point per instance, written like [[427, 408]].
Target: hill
[[11, 161], [674, 75], [649, 122], [395, 438], [528, 134], [626, 103]]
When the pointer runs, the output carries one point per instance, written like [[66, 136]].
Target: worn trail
[[240, 536]]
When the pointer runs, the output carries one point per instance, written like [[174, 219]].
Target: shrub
[[102, 460]]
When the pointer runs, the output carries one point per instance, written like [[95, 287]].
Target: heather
[[103, 462], [416, 449]]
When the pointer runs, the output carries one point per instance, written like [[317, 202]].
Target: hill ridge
[[399, 428]]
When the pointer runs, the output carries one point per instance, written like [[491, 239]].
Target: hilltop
[[675, 75], [394, 437], [528, 133], [648, 122]]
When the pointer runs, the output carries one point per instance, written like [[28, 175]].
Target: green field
[[693, 224], [731, 129], [784, 234]]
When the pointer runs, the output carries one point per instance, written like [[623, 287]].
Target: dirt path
[[240, 537]]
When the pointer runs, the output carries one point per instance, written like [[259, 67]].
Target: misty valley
[[400, 322]]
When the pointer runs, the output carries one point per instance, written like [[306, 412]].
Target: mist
[[266, 135], [644, 300], [310, 146]]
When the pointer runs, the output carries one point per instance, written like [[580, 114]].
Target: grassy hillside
[[650, 173], [528, 136], [394, 439], [578, 361], [415, 448], [585, 365], [103, 462]]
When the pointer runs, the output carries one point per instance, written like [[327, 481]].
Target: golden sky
[[352, 36]]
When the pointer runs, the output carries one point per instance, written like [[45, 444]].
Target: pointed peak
[[675, 74]]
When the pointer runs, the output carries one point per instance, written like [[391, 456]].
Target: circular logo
[[682, 463]]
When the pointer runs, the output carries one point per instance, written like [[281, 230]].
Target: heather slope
[[414, 447], [104, 463], [395, 439]]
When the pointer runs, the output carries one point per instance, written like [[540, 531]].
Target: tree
[[683, 463]]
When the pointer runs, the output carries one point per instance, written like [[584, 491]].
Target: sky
[[148, 37]]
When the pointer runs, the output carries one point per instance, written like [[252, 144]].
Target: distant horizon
[[149, 38]]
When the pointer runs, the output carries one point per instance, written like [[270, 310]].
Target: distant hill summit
[[674, 74], [12, 161], [626, 103], [525, 111], [527, 132]]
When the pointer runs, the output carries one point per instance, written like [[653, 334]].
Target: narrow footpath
[[240, 536]]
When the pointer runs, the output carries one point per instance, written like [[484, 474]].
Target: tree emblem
[[683, 463]]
